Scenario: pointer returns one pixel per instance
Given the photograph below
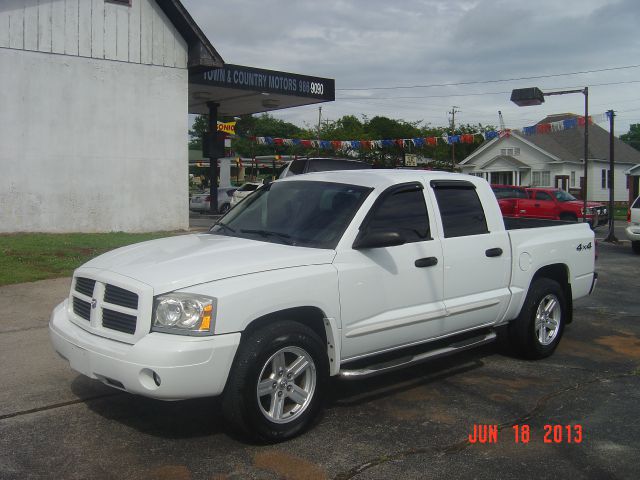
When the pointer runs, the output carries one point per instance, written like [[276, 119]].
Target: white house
[[93, 113], [555, 159]]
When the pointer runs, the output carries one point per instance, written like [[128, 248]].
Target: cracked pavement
[[410, 424]]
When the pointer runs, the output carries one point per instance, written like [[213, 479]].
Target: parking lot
[[412, 424]]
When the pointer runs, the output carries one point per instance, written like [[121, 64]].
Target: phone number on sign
[[522, 434]]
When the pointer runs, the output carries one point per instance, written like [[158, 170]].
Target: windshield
[[308, 214], [563, 196]]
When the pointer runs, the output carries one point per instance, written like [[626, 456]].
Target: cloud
[[381, 43]]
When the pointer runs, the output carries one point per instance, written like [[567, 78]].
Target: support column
[[213, 159]]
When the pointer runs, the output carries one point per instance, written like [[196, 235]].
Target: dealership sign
[[267, 81]]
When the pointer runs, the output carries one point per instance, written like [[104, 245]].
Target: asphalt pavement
[[409, 424]]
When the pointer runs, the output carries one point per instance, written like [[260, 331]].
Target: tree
[[632, 137], [198, 131]]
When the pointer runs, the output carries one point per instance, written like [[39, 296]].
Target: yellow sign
[[228, 127]]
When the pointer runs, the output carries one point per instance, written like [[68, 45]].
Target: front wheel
[[276, 387], [536, 332]]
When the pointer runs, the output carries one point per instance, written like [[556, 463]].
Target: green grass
[[26, 257], [620, 213]]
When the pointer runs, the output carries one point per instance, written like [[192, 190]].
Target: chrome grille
[[82, 308], [118, 321], [120, 296], [85, 286]]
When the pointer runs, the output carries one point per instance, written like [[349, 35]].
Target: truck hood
[[577, 204], [177, 262]]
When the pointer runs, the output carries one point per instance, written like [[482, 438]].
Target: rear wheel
[[537, 331], [276, 387], [635, 246]]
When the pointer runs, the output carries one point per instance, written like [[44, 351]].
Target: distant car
[[244, 191], [201, 202], [633, 225], [308, 165]]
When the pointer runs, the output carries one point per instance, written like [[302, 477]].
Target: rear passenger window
[[297, 167], [636, 204], [461, 211], [404, 211], [543, 196]]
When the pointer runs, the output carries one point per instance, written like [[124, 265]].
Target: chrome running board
[[407, 361]]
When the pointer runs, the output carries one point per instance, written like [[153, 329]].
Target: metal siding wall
[[84, 28], [31, 25], [141, 33], [71, 25], [134, 32], [57, 26], [146, 32], [16, 26], [44, 26]]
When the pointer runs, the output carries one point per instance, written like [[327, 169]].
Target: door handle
[[426, 262], [537, 205], [493, 252]]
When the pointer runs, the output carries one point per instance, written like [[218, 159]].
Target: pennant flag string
[[432, 141]]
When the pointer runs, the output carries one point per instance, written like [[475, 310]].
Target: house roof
[[202, 55], [505, 158], [568, 144]]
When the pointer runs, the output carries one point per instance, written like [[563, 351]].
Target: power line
[[413, 97], [477, 82]]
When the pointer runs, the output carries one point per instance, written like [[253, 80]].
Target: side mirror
[[378, 240]]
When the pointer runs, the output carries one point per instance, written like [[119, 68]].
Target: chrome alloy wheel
[[286, 384], [547, 324]]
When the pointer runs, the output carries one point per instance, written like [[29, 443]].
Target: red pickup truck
[[550, 203]]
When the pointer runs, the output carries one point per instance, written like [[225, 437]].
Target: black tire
[[568, 217], [225, 208], [635, 246], [245, 412], [524, 339]]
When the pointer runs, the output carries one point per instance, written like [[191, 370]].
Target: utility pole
[[453, 127], [319, 123], [611, 178]]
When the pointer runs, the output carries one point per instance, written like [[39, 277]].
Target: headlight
[[183, 313]]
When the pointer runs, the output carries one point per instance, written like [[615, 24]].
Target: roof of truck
[[377, 178]]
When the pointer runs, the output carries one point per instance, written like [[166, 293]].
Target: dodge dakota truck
[[349, 273]]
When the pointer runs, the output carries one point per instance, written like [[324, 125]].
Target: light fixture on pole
[[525, 97]]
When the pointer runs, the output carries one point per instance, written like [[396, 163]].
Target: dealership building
[[94, 111]]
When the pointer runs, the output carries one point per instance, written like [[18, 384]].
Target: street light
[[524, 97]]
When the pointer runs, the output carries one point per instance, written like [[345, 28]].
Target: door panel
[[386, 300]]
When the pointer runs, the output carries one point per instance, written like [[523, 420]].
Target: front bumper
[[186, 367]]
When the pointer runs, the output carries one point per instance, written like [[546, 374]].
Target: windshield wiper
[[268, 233], [225, 226]]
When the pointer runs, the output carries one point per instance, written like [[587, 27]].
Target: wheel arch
[[312, 317], [560, 273]]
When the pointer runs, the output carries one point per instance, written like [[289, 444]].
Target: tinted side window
[[543, 196], [461, 211], [297, 167], [404, 211], [636, 204]]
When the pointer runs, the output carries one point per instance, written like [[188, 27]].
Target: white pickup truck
[[349, 273]]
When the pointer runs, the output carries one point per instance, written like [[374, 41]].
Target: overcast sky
[[377, 43]]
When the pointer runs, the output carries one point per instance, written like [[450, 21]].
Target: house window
[[573, 179], [603, 180], [120, 2], [541, 179], [510, 151]]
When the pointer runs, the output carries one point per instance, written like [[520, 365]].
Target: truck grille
[[82, 308], [118, 321], [109, 301], [120, 296], [85, 286]]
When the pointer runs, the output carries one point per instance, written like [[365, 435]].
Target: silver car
[[200, 202]]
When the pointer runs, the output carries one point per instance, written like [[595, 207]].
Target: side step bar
[[402, 362]]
